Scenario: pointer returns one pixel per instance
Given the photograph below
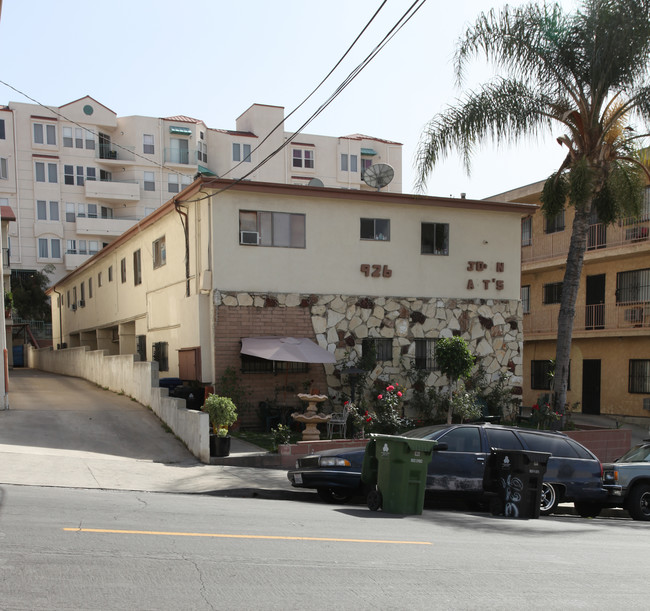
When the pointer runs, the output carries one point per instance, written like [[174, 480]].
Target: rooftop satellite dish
[[315, 182], [378, 175]]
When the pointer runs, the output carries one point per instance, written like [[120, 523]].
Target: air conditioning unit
[[249, 237], [74, 307], [82, 303]]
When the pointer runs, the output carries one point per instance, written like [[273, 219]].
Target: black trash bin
[[514, 479]]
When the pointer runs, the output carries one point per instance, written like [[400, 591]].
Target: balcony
[[592, 320], [73, 261], [181, 157], [113, 190], [103, 227], [627, 232], [115, 156]]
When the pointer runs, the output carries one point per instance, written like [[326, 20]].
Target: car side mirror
[[440, 446]]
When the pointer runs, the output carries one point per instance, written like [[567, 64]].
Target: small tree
[[454, 360], [28, 292], [223, 413]]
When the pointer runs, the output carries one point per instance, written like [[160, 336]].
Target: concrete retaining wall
[[138, 380]]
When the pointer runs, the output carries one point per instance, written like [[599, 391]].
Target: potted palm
[[223, 414]]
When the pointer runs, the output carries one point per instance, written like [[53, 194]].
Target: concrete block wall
[[606, 444], [139, 380]]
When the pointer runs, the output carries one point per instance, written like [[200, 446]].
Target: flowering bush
[[388, 417], [542, 416], [361, 418], [464, 404]]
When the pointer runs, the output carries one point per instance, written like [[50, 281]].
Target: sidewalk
[[66, 432]]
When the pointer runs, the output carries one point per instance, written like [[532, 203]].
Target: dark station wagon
[[573, 473]]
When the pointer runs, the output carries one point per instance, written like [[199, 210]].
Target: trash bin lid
[[414, 444]]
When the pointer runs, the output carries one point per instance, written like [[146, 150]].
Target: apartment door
[[595, 302], [104, 146], [591, 386]]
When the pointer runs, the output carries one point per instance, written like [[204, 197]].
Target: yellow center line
[[225, 536]]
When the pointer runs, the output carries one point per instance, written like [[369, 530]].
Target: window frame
[[303, 158], [383, 348], [159, 252], [527, 231], [555, 224], [636, 383], [435, 250], [137, 267], [148, 144], [375, 231], [425, 354], [296, 225], [525, 298], [551, 293]]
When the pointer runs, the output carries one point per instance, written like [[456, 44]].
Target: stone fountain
[[311, 418]]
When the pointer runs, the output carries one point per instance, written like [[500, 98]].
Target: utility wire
[[354, 42], [406, 17]]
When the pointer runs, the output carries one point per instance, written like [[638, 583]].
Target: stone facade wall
[[340, 323]]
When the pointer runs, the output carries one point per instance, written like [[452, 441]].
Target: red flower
[[535, 407], [346, 402], [380, 397], [399, 394], [390, 388], [368, 419]]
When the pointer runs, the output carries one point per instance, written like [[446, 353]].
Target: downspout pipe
[[184, 222]]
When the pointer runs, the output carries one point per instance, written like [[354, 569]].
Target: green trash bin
[[396, 470]]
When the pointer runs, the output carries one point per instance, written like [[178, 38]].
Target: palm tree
[[585, 73]]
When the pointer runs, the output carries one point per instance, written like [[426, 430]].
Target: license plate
[[297, 478]]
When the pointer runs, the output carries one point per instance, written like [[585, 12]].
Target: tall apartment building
[[610, 353], [77, 176]]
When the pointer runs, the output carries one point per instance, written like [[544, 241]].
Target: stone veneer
[[492, 328]]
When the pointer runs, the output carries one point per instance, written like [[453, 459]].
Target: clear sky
[[212, 59]]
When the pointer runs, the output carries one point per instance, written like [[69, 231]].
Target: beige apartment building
[[77, 176], [352, 270], [610, 353]]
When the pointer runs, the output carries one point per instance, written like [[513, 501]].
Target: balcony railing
[[598, 317], [119, 153], [181, 157], [551, 245]]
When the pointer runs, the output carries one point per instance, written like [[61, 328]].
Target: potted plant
[[223, 414]]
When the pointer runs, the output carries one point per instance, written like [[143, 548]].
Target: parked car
[[573, 473], [627, 482]]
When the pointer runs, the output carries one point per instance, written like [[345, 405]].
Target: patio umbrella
[[295, 349]]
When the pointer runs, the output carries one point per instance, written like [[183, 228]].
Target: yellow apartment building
[[610, 353]]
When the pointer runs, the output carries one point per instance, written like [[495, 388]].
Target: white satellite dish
[[315, 182], [378, 175]]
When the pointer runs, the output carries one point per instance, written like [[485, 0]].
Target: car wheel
[[587, 510], [374, 500], [639, 502], [335, 495], [549, 499]]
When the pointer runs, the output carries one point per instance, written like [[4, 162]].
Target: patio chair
[[340, 420]]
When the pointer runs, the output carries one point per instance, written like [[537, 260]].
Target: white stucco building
[[346, 268], [77, 176]]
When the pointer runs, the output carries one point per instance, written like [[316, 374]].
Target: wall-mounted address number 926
[[376, 271]]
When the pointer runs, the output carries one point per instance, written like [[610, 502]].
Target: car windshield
[[638, 454]]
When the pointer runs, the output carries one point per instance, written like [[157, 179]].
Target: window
[[45, 133], [554, 224], [82, 294], [67, 137], [99, 279], [527, 231], [45, 212], [149, 181], [502, 439], [179, 151], [379, 349], [110, 273], [91, 173], [93, 247], [141, 343], [2, 129], [40, 167], [303, 158], [80, 176], [70, 214], [105, 176], [68, 174], [434, 239], [90, 288], [633, 286], [137, 268], [425, 354], [375, 229], [55, 248], [92, 211], [172, 183], [148, 144], [107, 213], [555, 445], [43, 252], [365, 164], [202, 152], [541, 375], [272, 229], [3, 168], [82, 247], [71, 247], [90, 139], [123, 270], [159, 253], [159, 355], [349, 163], [639, 380], [78, 138], [552, 293], [241, 152], [525, 299], [462, 439]]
